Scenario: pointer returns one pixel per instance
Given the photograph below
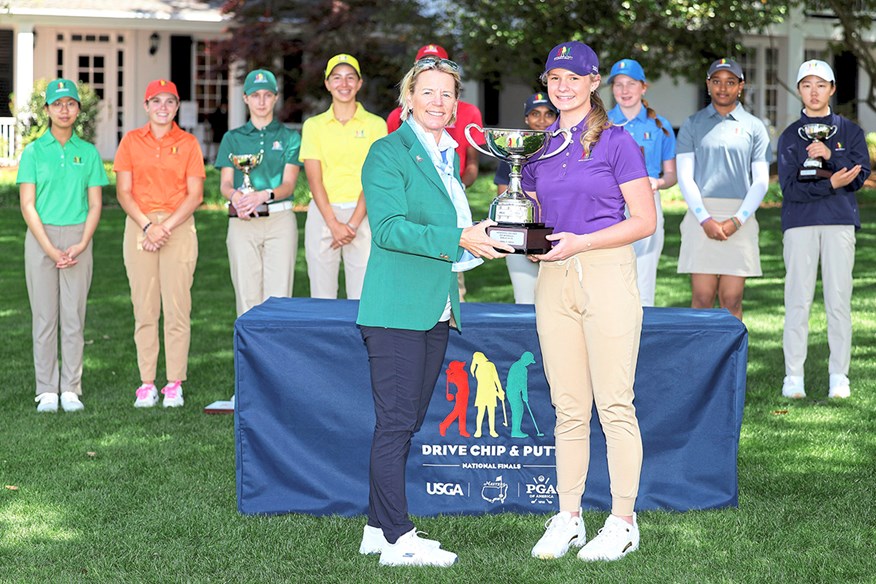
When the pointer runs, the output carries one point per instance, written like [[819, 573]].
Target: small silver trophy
[[245, 163], [518, 216], [813, 168]]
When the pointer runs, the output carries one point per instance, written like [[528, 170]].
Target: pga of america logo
[[540, 491], [450, 489]]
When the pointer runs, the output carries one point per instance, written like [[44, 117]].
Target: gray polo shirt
[[724, 148]]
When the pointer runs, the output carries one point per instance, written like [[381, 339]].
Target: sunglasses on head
[[434, 62]]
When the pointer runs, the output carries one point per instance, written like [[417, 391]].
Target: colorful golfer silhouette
[[488, 392], [456, 375], [516, 389]]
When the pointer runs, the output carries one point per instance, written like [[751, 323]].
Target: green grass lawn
[[115, 494]]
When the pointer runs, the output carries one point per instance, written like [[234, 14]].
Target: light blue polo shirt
[[724, 148], [657, 145]]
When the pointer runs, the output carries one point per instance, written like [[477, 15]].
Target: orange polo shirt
[[160, 167]]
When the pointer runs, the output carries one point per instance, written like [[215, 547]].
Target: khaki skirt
[[739, 255]]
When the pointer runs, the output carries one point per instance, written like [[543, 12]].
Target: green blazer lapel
[[420, 157]]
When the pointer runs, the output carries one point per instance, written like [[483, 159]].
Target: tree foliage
[[855, 20], [674, 37], [383, 36]]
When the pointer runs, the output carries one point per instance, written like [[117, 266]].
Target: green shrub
[[871, 147], [33, 119]]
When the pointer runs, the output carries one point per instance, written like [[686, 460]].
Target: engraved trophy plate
[[813, 168], [518, 215], [245, 163]]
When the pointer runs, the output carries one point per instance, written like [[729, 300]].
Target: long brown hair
[[597, 121], [653, 115]]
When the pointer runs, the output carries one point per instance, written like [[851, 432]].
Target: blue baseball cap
[[573, 56], [629, 67], [535, 100]]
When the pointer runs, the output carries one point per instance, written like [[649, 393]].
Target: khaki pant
[[161, 282], [323, 262], [589, 323], [57, 296], [261, 254], [834, 245]]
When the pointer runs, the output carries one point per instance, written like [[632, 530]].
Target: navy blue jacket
[[816, 202]]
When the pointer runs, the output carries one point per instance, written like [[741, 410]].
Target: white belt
[[279, 206]]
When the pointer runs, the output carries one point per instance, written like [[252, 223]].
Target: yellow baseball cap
[[342, 59]]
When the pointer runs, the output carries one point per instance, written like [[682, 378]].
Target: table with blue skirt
[[305, 414]]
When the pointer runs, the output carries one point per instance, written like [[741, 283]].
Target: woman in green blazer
[[421, 235]]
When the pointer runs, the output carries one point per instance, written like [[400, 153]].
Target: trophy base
[[260, 211], [810, 174], [525, 238]]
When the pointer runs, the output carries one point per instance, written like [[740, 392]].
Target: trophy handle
[[802, 134], [833, 130], [475, 144], [566, 141]]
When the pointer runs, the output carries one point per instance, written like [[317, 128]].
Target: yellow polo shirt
[[341, 150]]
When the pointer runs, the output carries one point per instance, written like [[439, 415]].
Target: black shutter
[[181, 65], [6, 79]]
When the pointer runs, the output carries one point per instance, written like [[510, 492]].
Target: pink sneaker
[[147, 396], [173, 397]]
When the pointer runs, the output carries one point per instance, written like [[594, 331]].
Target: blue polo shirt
[[581, 194], [724, 148], [656, 145]]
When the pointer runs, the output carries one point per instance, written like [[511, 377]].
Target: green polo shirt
[[278, 144], [62, 175], [341, 150]]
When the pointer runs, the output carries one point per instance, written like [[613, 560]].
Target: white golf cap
[[817, 68]]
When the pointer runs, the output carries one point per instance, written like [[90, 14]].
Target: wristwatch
[[270, 195]]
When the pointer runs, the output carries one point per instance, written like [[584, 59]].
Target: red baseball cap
[[160, 86], [431, 51]]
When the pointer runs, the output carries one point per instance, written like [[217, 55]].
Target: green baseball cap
[[61, 88], [260, 79]]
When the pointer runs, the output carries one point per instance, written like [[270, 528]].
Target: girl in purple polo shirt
[[587, 302]]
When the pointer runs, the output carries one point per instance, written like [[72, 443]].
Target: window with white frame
[[211, 77], [761, 67]]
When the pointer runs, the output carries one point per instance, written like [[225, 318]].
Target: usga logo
[[452, 489]]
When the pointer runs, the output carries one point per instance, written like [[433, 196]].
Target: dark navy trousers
[[405, 366]]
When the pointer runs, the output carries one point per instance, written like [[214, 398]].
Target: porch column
[[23, 85]]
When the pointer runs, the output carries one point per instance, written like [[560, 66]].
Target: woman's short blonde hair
[[409, 81]]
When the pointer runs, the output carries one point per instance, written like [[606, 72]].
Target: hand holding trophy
[[245, 163], [518, 216], [813, 168]]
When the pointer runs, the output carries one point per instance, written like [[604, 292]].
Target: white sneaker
[[173, 397], [47, 402], [616, 539], [839, 386], [70, 402], [411, 550], [373, 541], [792, 387], [561, 531], [147, 396]]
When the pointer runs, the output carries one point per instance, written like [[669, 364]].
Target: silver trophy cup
[[518, 216], [813, 168], [245, 163]]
